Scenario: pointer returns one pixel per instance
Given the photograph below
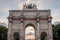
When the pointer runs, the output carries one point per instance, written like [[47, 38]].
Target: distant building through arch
[[30, 35]]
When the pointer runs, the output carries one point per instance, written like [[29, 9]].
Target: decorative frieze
[[29, 18]]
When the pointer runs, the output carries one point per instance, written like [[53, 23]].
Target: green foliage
[[3, 33], [56, 31]]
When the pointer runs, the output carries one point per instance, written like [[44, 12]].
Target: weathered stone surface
[[18, 19]]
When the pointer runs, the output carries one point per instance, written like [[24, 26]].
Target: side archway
[[43, 36], [16, 36]]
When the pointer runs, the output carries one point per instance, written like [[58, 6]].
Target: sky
[[6, 5], [29, 30]]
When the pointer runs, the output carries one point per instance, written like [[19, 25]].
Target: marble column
[[38, 25], [9, 30], [50, 30], [22, 30]]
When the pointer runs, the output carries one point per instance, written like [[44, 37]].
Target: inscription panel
[[43, 13], [15, 13], [30, 14]]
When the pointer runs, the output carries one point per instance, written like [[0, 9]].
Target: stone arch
[[43, 36], [16, 36], [31, 25]]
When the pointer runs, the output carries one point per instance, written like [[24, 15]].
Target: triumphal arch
[[40, 20]]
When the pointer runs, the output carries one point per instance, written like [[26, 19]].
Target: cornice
[[29, 18], [29, 10]]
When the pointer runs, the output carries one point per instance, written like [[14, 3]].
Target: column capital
[[38, 20], [49, 20], [10, 20], [21, 20]]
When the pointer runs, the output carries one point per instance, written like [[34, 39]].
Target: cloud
[[20, 5], [4, 9], [56, 15], [3, 20], [4, 14], [41, 4], [6, 5]]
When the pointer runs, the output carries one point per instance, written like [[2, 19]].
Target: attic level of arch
[[22, 16]]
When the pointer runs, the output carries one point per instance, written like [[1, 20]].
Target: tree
[[3, 33], [56, 31]]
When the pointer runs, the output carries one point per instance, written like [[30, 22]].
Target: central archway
[[30, 32]]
